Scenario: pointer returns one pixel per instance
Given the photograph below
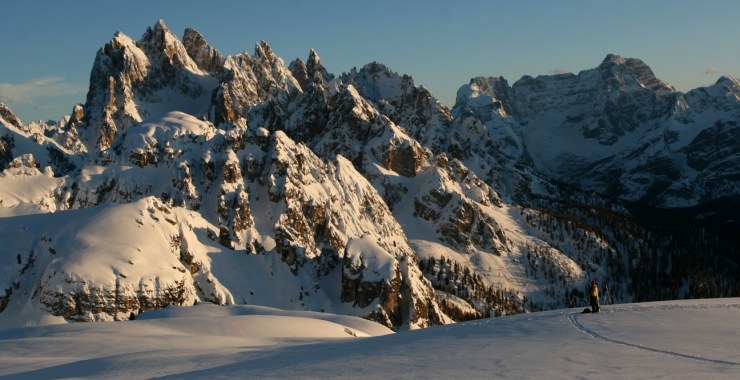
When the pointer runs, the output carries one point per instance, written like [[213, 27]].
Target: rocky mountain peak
[[497, 87], [8, 115], [313, 56], [630, 71], [132, 81], [78, 113], [300, 72], [732, 88], [270, 70], [315, 69], [377, 82], [162, 46], [263, 52], [412, 108], [728, 79], [118, 67], [730, 83], [722, 96], [311, 71], [205, 56], [484, 97], [120, 57], [158, 32], [157, 36], [160, 25], [120, 40], [614, 59]]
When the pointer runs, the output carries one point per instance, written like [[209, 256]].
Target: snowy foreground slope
[[675, 339]]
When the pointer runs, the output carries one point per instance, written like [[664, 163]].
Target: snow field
[[676, 339]]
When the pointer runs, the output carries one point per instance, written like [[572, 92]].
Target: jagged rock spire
[[10, 117], [163, 47], [300, 72], [205, 56], [315, 69], [128, 75], [312, 71]]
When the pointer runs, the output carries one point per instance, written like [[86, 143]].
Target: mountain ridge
[[362, 191]]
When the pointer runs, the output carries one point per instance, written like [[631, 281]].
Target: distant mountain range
[[192, 177], [617, 130]]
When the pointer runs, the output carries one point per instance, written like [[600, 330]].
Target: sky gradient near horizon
[[48, 47]]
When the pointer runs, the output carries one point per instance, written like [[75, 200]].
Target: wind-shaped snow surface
[[97, 263], [367, 253], [684, 339]]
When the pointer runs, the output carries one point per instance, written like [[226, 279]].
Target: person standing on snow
[[593, 293]]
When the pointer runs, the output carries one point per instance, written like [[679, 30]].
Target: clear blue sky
[[48, 47]]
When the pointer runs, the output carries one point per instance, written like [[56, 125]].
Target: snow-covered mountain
[[192, 177], [618, 130]]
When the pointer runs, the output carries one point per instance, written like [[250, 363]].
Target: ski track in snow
[[575, 317]]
